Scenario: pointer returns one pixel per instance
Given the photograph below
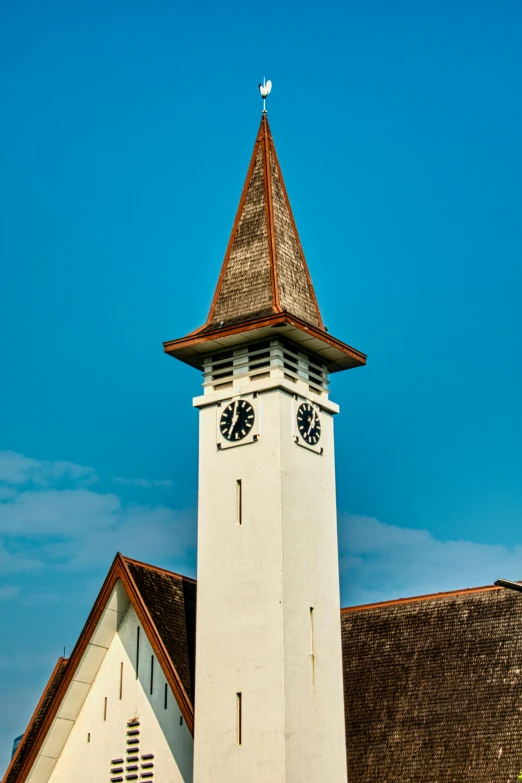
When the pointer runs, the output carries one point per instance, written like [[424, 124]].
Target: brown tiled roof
[[264, 271], [171, 602], [26, 744], [433, 689]]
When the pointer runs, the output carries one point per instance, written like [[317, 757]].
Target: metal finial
[[265, 89]]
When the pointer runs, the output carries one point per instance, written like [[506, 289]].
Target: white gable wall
[[93, 742]]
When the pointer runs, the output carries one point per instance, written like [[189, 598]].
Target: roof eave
[[192, 348]]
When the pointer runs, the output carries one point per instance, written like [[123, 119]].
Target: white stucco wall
[[256, 584], [94, 741]]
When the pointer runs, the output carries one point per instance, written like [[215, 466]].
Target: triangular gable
[[71, 681], [264, 271]]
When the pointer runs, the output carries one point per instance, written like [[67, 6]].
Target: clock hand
[[234, 417], [312, 421]]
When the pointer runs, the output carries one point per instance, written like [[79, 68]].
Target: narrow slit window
[[121, 680], [239, 501], [88, 737], [312, 630], [151, 674], [105, 708], [181, 720], [137, 650], [166, 695], [239, 718]]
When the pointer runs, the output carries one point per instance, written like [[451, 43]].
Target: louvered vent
[[258, 359], [133, 766]]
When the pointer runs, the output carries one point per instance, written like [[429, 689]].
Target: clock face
[[237, 420], [309, 423]]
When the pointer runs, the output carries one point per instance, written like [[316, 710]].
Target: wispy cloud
[[380, 562], [142, 482], [18, 469], [16, 561], [44, 523], [52, 512]]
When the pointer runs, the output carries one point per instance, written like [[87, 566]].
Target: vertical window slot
[[239, 501], [121, 680], [151, 674], [312, 642], [105, 708], [312, 633], [166, 694], [137, 650], [239, 718]]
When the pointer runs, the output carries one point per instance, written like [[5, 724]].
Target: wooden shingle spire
[[264, 282], [264, 271]]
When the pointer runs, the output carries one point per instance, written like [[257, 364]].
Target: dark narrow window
[[88, 737], [166, 694], [105, 708], [151, 674], [137, 650], [121, 679], [181, 720], [239, 718], [312, 630], [312, 642], [239, 502]]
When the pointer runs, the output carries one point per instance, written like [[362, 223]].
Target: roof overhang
[[195, 346]]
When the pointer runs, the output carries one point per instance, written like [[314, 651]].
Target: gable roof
[[171, 603], [165, 604]]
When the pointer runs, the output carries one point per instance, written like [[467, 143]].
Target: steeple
[[264, 271], [264, 281]]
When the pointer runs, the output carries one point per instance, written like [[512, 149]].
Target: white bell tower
[[269, 685]]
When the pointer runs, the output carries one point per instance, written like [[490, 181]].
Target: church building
[[255, 674]]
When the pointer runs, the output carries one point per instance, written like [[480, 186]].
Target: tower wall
[[268, 623]]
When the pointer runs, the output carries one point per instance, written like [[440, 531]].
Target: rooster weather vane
[[265, 89]]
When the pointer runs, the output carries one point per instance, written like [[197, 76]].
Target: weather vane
[[265, 89]]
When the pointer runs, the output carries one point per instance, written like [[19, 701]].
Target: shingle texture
[[246, 289], [294, 289], [264, 271], [433, 690], [171, 603], [26, 744]]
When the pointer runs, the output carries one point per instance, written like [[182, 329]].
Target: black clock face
[[237, 420], [308, 423]]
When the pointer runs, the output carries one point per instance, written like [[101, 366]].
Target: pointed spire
[[264, 282], [264, 271]]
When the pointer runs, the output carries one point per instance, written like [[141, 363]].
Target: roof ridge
[[413, 599], [156, 568]]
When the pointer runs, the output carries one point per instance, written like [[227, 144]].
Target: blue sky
[[125, 137]]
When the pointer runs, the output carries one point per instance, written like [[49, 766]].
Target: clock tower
[[269, 685]]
